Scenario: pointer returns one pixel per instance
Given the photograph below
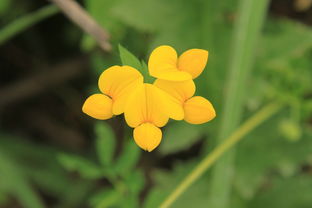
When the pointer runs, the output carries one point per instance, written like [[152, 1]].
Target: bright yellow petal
[[198, 110], [179, 90], [98, 106], [155, 103], [135, 107], [193, 61], [143, 106], [172, 75], [118, 82], [168, 104], [163, 62], [147, 136], [120, 102]]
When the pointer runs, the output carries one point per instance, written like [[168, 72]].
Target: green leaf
[[128, 159], [129, 59], [179, 136], [285, 38], [84, 167], [266, 150], [286, 193], [147, 77], [105, 198], [105, 143], [135, 181], [41, 164]]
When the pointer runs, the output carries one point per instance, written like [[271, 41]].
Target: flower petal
[[167, 103], [179, 90], [162, 64], [117, 82], [98, 106], [193, 61], [198, 110], [147, 136], [143, 106]]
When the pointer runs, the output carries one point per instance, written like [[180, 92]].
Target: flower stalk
[[259, 117]]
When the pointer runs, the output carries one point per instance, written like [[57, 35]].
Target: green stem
[[229, 142], [251, 15], [22, 23]]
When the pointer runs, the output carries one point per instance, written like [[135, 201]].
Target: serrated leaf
[[84, 167], [105, 143]]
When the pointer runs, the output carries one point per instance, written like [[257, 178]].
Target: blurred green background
[[52, 155]]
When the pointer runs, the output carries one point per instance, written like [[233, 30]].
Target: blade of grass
[[263, 114], [22, 23], [246, 31]]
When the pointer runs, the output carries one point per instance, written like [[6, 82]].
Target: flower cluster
[[147, 107]]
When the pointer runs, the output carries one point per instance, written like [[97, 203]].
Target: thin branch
[[40, 82], [79, 16]]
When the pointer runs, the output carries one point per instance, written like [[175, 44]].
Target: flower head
[[148, 107], [165, 64]]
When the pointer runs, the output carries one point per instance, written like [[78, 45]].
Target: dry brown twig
[[79, 16]]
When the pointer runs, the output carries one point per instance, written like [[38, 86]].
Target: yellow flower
[[116, 83], [197, 110], [165, 64], [147, 109]]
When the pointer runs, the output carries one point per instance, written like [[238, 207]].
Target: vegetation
[[255, 153]]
